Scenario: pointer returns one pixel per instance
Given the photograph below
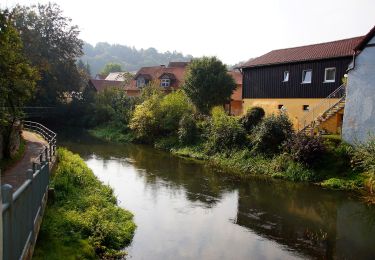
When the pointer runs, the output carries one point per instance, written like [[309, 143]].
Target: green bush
[[187, 131], [84, 212], [363, 159], [112, 105], [145, 121], [252, 118], [225, 132], [271, 133], [173, 107], [305, 149]]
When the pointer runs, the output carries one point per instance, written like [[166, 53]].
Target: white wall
[[359, 115]]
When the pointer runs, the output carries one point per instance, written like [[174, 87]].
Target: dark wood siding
[[267, 81]]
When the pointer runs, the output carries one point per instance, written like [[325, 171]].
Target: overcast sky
[[232, 30]]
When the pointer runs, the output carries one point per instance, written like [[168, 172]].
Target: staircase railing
[[324, 106]]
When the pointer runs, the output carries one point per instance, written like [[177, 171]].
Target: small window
[[280, 107], [306, 76], [330, 75], [306, 108], [141, 82], [165, 82], [286, 76]]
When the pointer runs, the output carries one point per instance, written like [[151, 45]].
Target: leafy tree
[[111, 67], [84, 67], [112, 105], [52, 45], [17, 76], [208, 84]]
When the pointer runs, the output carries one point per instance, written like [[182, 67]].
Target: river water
[[187, 210]]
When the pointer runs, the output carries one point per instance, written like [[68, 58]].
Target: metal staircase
[[320, 113]]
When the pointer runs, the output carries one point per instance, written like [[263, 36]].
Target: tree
[[208, 84], [111, 67], [17, 76], [53, 46]]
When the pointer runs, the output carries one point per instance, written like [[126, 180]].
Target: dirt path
[[16, 175]]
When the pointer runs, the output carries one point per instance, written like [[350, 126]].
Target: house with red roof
[[99, 85], [168, 77], [304, 82]]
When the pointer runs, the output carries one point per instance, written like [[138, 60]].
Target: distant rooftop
[[116, 76]]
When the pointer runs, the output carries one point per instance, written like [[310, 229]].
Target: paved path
[[16, 175]]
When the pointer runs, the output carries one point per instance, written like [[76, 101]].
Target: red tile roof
[[101, 84], [154, 73], [341, 48]]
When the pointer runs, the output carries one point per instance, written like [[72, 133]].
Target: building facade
[[359, 118], [298, 81]]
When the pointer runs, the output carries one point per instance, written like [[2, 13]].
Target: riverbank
[[82, 219], [334, 171]]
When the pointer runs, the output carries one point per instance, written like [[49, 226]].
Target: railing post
[[46, 154], [8, 243]]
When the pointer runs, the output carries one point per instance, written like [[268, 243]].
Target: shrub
[[363, 158], [271, 133], [187, 131], [305, 149], [112, 105], [173, 106], [225, 132], [252, 118], [146, 119]]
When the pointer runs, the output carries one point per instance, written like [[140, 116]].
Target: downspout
[[352, 67]]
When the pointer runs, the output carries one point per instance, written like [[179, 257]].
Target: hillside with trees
[[130, 58]]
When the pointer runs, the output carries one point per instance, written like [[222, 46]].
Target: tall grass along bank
[[82, 220]]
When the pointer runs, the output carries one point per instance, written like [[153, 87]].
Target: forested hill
[[130, 58]]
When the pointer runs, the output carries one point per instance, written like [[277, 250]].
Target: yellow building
[[304, 82]]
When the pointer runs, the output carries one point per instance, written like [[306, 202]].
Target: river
[[187, 210]]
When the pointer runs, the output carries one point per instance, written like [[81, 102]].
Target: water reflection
[[184, 210]]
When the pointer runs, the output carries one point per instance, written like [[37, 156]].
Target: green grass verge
[[83, 221], [112, 133], [9, 162]]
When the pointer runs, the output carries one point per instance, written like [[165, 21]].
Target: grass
[[9, 162], [83, 221], [112, 133]]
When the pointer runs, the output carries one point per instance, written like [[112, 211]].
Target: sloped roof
[[341, 48], [154, 73], [365, 40], [116, 76], [101, 84], [237, 76]]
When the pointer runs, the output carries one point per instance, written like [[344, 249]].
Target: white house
[[359, 115]]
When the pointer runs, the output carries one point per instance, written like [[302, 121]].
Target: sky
[[232, 30]]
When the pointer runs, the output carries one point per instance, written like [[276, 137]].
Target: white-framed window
[[286, 76], [306, 76], [141, 82], [165, 82], [330, 74]]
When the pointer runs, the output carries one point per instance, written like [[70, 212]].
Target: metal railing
[[23, 209], [318, 111]]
